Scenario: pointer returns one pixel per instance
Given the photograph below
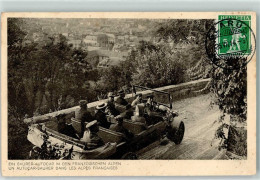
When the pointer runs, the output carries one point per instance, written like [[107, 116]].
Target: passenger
[[111, 110], [100, 115], [90, 137], [61, 123], [65, 128], [118, 127], [83, 115], [139, 114], [138, 100], [127, 113], [121, 99]]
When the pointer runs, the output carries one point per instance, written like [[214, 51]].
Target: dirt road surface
[[201, 122]]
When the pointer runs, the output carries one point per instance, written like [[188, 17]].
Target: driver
[[150, 102], [152, 110]]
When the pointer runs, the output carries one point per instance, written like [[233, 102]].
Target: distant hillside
[[86, 26]]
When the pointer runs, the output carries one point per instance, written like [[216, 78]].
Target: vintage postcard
[[128, 94]]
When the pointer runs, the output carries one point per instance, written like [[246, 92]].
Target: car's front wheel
[[176, 131]]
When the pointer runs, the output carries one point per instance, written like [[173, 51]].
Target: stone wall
[[177, 92]]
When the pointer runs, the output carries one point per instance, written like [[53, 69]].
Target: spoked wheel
[[176, 131], [130, 156]]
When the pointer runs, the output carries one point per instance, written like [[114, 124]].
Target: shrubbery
[[157, 65]]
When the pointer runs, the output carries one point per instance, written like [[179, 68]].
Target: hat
[[83, 102], [121, 92], [110, 94], [101, 106], [92, 123]]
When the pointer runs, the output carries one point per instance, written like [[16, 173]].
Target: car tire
[[176, 131]]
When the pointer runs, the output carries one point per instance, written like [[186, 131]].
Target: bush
[[157, 66]]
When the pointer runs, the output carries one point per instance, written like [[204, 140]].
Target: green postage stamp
[[234, 34], [230, 39]]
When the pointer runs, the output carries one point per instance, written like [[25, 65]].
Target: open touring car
[[49, 143]]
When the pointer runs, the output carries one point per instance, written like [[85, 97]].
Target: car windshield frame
[[169, 105]]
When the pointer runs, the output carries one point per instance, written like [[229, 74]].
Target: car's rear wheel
[[176, 131]]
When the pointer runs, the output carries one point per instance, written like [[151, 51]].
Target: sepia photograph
[[129, 88]]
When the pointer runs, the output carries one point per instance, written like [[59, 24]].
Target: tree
[[181, 30], [16, 53], [157, 66], [189, 36], [75, 76], [17, 100], [113, 78], [42, 74], [230, 90]]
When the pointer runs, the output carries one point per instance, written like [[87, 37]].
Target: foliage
[[16, 52], [183, 31], [150, 64], [44, 75], [188, 37], [113, 79], [157, 66], [230, 90]]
